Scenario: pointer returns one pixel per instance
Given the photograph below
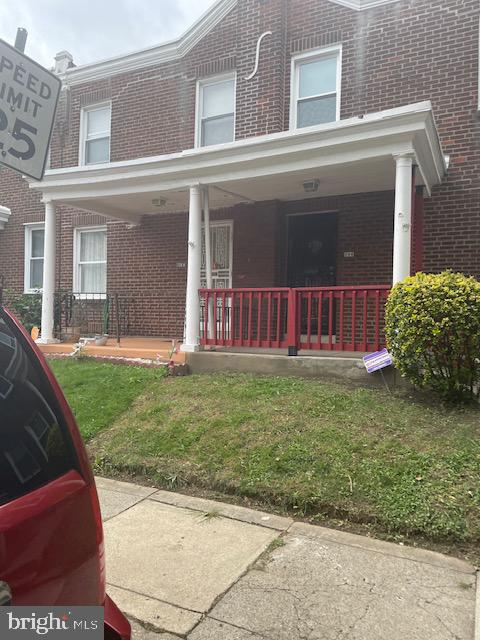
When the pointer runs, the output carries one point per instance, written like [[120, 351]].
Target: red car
[[51, 536]]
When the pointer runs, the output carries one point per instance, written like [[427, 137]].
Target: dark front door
[[312, 250]]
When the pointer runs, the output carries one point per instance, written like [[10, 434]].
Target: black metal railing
[[92, 314]]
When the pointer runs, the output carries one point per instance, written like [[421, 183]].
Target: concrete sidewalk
[[192, 568]]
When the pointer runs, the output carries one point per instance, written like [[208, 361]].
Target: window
[[35, 447], [90, 268], [315, 94], [34, 250], [95, 134], [215, 111]]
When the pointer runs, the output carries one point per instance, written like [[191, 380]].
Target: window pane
[[218, 99], [217, 130], [35, 446], [93, 245], [37, 243], [316, 111], [36, 274], [93, 278], [97, 151], [98, 121], [318, 76]]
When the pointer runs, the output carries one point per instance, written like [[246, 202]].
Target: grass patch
[[325, 451], [99, 393]]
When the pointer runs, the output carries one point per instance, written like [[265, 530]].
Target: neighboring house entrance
[[221, 242], [221, 246], [312, 260]]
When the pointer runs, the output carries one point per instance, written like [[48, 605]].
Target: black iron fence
[[92, 314]]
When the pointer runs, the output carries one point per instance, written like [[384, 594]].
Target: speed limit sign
[[28, 101]]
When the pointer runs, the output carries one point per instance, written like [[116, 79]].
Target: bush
[[433, 332], [26, 306]]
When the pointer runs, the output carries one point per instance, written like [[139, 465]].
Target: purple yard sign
[[378, 360]]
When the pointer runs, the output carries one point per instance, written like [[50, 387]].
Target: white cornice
[[408, 129], [361, 5], [171, 50], [4, 216]]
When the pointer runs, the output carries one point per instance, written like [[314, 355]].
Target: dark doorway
[[312, 250]]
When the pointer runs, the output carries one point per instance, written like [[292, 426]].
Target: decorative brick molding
[[316, 41]]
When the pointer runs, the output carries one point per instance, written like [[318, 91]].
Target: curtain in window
[[93, 253], [93, 246]]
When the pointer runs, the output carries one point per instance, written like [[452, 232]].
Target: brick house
[[292, 157]]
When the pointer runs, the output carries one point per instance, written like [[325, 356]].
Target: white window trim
[[29, 227], [294, 76], [98, 295], [83, 131], [203, 82]]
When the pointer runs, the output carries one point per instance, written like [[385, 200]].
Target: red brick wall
[[365, 226], [25, 207], [401, 53]]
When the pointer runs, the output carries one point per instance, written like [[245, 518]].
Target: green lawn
[[400, 466], [100, 393]]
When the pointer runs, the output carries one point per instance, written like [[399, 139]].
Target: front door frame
[[287, 232]]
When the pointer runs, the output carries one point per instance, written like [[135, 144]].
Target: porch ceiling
[[350, 156]]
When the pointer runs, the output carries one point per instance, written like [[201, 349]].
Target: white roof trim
[[4, 216], [408, 129], [171, 50], [361, 5]]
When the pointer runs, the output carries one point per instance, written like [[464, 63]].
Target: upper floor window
[[34, 252], [90, 261], [95, 134], [215, 111], [315, 92]]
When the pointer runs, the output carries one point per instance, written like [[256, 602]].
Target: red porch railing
[[327, 318], [244, 317]]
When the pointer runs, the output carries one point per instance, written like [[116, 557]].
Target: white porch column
[[208, 249], [48, 295], [208, 256], [192, 307], [403, 217]]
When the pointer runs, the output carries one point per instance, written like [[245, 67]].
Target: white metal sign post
[[28, 102]]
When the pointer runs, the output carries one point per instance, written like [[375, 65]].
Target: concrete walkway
[[192, 568]]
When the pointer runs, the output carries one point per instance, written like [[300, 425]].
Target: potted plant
[[101, 340]]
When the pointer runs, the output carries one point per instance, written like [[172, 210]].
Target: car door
[[51, 540]]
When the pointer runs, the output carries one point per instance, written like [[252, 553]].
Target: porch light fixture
[[311, 186], [159, 202], [4, 216]]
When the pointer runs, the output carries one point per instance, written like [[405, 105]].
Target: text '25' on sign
[[28, 101]]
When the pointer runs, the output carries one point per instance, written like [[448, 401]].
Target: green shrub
[[433, 332], [26, 306]]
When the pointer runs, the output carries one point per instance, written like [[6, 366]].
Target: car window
[[35, 446]]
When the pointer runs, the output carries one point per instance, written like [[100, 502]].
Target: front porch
[[128, 348], [347, 319], [344, 205]]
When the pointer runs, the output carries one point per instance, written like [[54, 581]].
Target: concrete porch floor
[[191, 568], [130, 347]]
